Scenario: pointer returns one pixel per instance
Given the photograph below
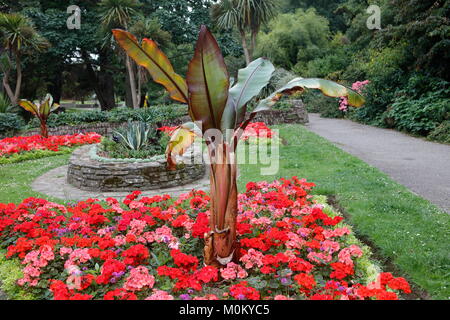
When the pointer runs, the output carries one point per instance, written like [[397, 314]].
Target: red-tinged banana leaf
[[328, 88], [208, 82], [251, 81], [156, 62], [29, 106], [182, 138]]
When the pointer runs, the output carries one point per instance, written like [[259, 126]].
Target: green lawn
[[16, 179], [408, 230]]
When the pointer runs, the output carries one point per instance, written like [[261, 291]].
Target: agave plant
[[218, 106], [135, 136], [41, 110]]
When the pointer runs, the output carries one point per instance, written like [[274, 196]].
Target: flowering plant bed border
[[292, 247]]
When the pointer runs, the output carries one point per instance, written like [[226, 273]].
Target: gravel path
[[420, 165]]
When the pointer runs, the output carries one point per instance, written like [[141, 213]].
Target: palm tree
[[148, 28], [245, 16], [118, 14], [18, 37]]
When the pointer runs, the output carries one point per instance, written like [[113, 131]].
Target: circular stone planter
[[89, 172]]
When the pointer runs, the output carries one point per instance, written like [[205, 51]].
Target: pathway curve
[[54, 183], [420, 165]]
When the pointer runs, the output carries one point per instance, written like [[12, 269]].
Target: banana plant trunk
[[221, 245], [44, 130]]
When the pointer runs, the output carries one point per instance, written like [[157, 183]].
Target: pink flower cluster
[[358, 87]]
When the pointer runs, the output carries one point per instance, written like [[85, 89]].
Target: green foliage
[[327, 107], [10, 123], [125, 143], [441, 133], [10, 272], [333, 64], [385, 70], [136, 136], [5, 104], [152, 114], [325, 8], [421, 106], [294, 39]]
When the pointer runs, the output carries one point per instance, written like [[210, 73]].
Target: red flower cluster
[[13, 145], [257, 130], [242, 291], [168, 130], [151, 248]]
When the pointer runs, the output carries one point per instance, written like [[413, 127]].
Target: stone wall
[[91, 175], [297, 114]]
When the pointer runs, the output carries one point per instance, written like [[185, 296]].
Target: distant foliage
[[294, 39], [118, 115], [10, 123]]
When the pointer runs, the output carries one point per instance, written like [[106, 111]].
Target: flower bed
[[23, 148], [151, 248], [254, 132]]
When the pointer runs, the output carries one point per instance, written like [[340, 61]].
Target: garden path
[[54, 184], [420, 165]]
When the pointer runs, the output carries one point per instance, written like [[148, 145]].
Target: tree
[[295, 38], [18, 37], [221, 113], [245, 16], [325, 8], [118, 14], [81, 50]]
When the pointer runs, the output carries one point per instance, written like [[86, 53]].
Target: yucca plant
[[135, 136], [41, 111], [218, 106]]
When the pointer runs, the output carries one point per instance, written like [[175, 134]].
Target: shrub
[[118, 115], [384, 70], [5, 104], [10, 123], [294, 39], [327, 107], [422, 106], [441, 133]]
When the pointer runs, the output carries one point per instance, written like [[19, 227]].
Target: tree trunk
[[132, 78], [103, 87], [18, 80], [221, 245], [8, 87], [253, 44], [106, 86], [128, 96], [248, 58], [56, 87], [11, 94]]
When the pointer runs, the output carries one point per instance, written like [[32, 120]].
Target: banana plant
[[218, 106], [41, 110]]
